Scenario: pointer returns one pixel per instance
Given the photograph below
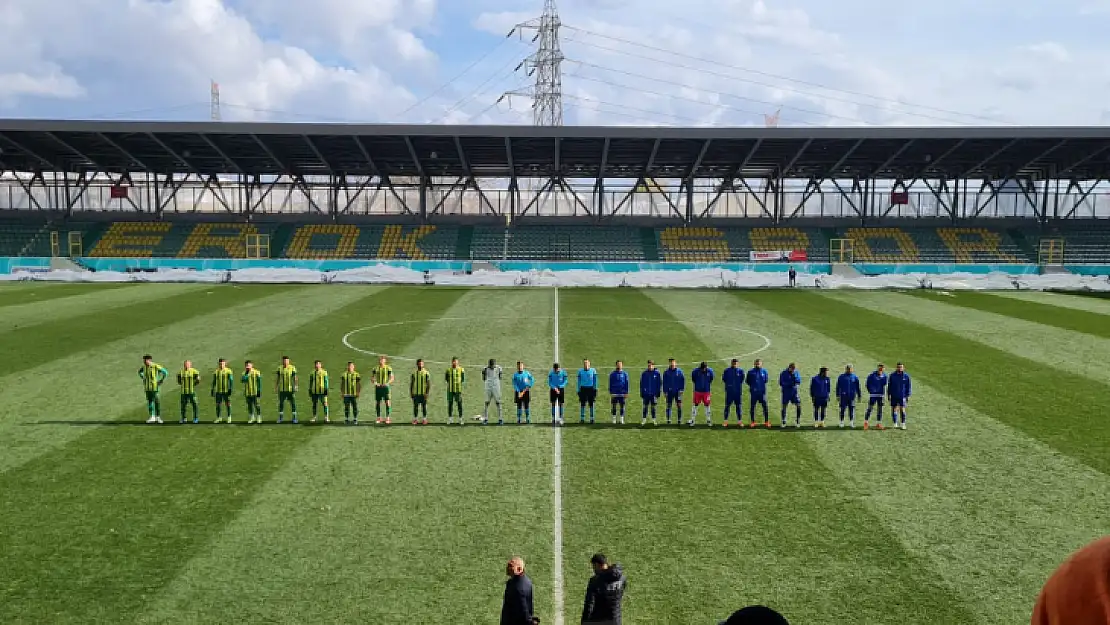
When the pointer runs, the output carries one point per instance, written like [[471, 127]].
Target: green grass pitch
[[1001, 474]]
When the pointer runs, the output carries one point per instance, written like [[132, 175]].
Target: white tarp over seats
[[694, 278]]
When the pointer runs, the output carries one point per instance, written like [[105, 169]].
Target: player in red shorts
[[702, 377]]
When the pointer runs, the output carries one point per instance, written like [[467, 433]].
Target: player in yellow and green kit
[[455, 377], [286, 388], [252, 390], [419, 387], [153, 375], [221, 388], [383, 382], [188, 379], [318, 390], [350, 384]]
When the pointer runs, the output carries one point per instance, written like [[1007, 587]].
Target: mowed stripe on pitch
[[706, 520], [395, 524], [1093, 302], [57, 339], [1068, 319], [140, 498], [991, 510], [51, 405], [1066, 351], [19, 318], [984, 377], [18, 293]]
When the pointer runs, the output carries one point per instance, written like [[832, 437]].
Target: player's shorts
[[618, 400], [452, 396], [847, 401], [523, 399], [151, 395], [702, 399], [733, 397], [649, 400], [382, 393], [221, 398], [674, 397], [871, 401], [350, 399], [286, 396], [820, 402], [493, 394], [587, 395], [419, 400], [897, 402], [557, 396], [792, 398]]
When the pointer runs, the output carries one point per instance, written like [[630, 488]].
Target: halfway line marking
[[557, 480]]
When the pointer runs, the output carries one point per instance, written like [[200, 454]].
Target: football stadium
[[518, 266]]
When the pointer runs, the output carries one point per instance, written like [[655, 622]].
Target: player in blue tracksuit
[[618, 390], [876, 392], [733, 379], [651, 387], [674, 384], [790, 381], [702, 379], [898, 390], [587, 390], [848, 391], [820, 388], [756, 379], [557, 382]]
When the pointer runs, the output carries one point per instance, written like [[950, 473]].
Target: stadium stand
[[326, 241], [701, 244], [587, 243], [24, 238], [940, 245], [1091, 245], [161, 239]]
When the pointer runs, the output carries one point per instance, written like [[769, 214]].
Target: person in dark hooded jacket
[[604, 593], [517, 607]]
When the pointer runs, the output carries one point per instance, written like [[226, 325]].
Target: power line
[[309, 116], [478, 91], [770, 75], [726, 94], [624, 107], [156, 109], [464, 72], [695, 100]]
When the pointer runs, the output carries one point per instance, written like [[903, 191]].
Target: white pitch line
[[557, 480]]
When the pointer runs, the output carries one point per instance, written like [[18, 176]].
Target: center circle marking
[[347, 337]]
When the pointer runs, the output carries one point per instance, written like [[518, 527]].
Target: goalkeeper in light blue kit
[[522, 390]]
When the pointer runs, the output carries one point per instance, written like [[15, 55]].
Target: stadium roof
[[268, 149]]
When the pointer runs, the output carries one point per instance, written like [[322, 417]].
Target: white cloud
[[1050, 50], [164, 52], [737, 60]]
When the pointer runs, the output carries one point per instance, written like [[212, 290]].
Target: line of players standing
[[671, 384]]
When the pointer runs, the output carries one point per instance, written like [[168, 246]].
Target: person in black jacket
[[517, 606], [604, 593]]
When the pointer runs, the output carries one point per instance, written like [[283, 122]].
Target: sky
[[627, 62]]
